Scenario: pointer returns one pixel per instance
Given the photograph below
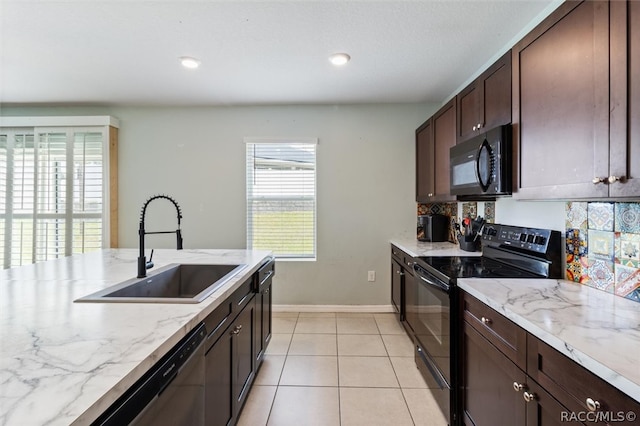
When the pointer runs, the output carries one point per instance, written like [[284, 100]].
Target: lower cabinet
[[403, 291], [498, 388], [263, 321], [488, 393], [239, 331]]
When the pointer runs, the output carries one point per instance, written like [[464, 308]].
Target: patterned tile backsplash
[[603, 246], [451, 210]]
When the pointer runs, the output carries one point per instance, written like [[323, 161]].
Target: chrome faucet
[[143, 265]]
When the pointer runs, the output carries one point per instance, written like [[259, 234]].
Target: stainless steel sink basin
[[175, 283]]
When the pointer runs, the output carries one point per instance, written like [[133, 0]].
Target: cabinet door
[[424, 162], [242, 332], [469, 111], [397, 279], [264, 320], [496, 94], [444, 137], [545, 410], [411, 304], [625, 99], [561, 104], [486, 102], [488, 395], [218, 402]]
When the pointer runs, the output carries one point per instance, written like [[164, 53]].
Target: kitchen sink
[[174, 283]]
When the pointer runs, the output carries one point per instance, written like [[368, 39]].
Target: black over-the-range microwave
[[481, 166]]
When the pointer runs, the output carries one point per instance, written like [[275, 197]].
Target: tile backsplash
[[487, 210], [603, 246]]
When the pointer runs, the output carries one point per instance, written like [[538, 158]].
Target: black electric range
[[432, 314]]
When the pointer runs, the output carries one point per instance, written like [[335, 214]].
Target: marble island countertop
[[65, 363], [597, 330]]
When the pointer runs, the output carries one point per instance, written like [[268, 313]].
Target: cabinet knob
[[237, 329], [430, 194], [592, 404], [400, 273], [614, 179], [529, 396], [474, 128], [518, 386], [597, 180], [479, 126], [485, 320]]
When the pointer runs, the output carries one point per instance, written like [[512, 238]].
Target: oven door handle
[[444, 287]]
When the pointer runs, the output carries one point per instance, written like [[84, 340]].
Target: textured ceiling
[[92, 52]]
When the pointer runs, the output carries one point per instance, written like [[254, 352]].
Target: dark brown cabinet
[[263, 320], [573, 89], [434, 138], [486, 102], [511, 377], [624, 167], [397, 288], [488, 394], [239, 332], [403, 292]]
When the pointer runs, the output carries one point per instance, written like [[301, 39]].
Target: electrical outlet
[[371, 276]]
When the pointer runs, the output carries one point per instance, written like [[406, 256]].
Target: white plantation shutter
[[51, 193], [281, 196]]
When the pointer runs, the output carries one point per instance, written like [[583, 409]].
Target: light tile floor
[[344, 369]]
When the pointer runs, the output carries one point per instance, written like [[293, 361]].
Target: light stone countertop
[[416, 248], [596, 329], [64, 363]]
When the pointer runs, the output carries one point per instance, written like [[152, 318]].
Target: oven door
[[433, 325]]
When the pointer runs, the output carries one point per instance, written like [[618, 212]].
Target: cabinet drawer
[[505, 335], [217, 322], [573, 385], [403, 259], [264, 274], [242, 295]]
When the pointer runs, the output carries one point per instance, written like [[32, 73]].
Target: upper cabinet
[[624, 161], [434, 138], [486, 102], [575, 103]]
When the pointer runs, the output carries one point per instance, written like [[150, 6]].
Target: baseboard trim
[[334, 308]]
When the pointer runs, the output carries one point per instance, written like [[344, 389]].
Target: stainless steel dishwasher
[[170, 393]]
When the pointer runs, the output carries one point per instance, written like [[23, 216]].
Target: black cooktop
[[474, 267]]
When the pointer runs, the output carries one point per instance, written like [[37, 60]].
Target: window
[[51, 192], [281, 197]]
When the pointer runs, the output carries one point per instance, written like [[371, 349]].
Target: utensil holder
[[469, 245]]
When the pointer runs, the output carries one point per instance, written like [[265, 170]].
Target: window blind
[[51, 192], [281, 196]]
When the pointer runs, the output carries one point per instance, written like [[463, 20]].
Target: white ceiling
[[90, 52]]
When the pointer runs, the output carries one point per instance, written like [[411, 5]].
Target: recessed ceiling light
[[189, 62], [339, 59]]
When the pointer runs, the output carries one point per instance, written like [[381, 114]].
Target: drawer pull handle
[[485, 320], [592, 404], [518, 386], [529, 396]]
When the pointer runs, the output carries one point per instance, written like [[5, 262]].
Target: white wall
[[366, 189], [534, 214]]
